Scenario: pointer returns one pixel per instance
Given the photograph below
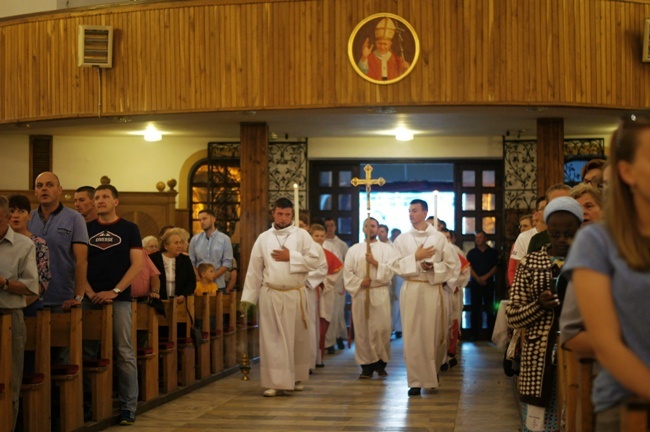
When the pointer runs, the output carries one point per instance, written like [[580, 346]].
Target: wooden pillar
[[254, 216], [550, 153]]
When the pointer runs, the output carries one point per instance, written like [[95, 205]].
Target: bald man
[[67, 238]]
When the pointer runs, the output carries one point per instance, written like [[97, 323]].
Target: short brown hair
[[204, 267]]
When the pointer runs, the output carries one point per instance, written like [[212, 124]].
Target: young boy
[[206, 284]]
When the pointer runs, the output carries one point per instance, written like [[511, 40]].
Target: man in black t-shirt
[[114, 260], [483, 261]]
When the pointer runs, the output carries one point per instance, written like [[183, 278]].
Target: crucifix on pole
[[368, 182]]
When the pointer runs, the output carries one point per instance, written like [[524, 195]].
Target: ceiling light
[[403, 135], [152, 134]]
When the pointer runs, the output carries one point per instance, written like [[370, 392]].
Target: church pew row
[[6, 407], [145, 321], [66, 333], [202, 320], [36, 385], [575, 383], [98, 330], [186, 352], [230, 332], [158, 358]]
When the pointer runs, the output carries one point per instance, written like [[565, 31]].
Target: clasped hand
[[281, 254], [424, 253]]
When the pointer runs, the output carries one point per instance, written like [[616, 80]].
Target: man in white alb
[[427, 262], [338, 329], [372, 332], [281, 260]]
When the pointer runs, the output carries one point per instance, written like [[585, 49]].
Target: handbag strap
[[188, 313]]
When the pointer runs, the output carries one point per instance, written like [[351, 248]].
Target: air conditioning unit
[[646, 42], [95, 46]]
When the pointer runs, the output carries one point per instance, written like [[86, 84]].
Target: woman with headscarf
[[535, 303], [609, 266]]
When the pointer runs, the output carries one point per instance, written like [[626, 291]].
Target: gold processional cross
[[368, 182]]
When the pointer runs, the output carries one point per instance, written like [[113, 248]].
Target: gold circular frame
[[409, 44]]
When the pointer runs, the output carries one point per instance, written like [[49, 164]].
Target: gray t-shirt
[[594, 249]]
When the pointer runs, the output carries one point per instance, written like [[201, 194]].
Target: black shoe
[[331, 350], [366, 372], [444, 367], [414, 391], [127, 418], [382, 373], [453, 362], [320, 365], [398, 335], [340, 343]]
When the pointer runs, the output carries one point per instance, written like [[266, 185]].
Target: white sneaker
[[271, 392], [298, 386]]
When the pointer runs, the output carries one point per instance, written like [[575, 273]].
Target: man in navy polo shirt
[[64, 230]]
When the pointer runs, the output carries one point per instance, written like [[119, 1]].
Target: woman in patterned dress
[[535, 306]]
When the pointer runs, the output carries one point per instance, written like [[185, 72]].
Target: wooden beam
[[254, 217], [550, 153]]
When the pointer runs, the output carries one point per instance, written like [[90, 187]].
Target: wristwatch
[[79, 298], [117, 290]]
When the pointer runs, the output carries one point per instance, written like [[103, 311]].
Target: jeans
[[125, 359]]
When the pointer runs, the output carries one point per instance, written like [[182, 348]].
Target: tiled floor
[[474, 396]]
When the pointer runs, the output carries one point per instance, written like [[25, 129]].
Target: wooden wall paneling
[[203, 55]]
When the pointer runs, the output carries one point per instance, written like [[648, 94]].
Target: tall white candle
[[296, 205], [435, 209]]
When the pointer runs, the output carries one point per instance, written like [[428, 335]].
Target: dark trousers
[[481, 299]]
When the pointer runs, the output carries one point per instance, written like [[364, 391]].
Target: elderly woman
[[591, 201], [150, 244], [535, 305], [610, 269], [177, 277]]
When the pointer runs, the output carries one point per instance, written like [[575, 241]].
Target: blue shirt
[[62, 229], [594, 249], [216, 250]]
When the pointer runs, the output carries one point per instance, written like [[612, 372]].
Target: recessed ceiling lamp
[[403, 135], [152, 134]]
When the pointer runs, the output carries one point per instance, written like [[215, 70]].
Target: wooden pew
[[586, 417], [216, 334], [66, 331], [187, 369], [230, 333], [568, 382], [202, 313], [634, 415], [6, 403], [146, 320], [36, 386], [167, 346], [98, 327]]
